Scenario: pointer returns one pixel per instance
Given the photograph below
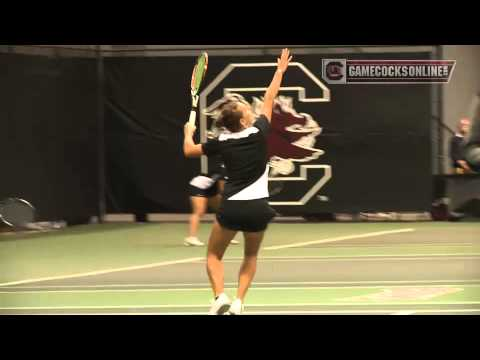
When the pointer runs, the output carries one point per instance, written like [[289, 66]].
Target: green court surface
[[304, 268]]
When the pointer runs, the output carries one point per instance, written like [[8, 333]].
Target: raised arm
[[272, 90], [190, 149]]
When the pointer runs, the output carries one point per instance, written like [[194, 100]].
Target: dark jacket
[[457, 150]]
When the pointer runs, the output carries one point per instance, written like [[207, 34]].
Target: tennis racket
[[17, 213], [199, 72]]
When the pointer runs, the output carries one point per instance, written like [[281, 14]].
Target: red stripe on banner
[[399, 62], [397, 78]]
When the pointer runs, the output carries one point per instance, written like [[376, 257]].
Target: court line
[[340, 238], [390, 245], [367, 258], [101, 272], [457, 256], [356, 311], [230, 284], [192, 260], [474, 256], [280, 312], [405, 312], [206, 306], [208, 289], [452, 255]]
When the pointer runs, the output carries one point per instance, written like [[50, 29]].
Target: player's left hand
[[284, 60]]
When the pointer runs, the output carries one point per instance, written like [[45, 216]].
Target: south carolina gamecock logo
[[334, 71], [292, 138]]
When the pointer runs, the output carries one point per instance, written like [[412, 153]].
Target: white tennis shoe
[[193, 241], [220, 305], [236, 308]]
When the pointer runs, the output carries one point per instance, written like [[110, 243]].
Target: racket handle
[[193, 117]]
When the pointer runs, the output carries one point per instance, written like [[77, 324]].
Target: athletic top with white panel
[[245, 157]]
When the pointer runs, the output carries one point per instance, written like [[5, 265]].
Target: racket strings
[[17, 213]]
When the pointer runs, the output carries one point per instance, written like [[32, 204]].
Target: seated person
[[472, 148], [457, 148]]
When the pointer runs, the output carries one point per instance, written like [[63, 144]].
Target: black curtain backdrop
[[147, 102], [48, 136], [377, 138]]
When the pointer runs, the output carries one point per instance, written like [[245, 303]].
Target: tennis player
[[244, 207]]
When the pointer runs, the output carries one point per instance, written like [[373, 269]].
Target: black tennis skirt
[[208, 193], [245, 215]]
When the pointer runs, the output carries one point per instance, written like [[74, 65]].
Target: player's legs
[[199, 208], [219, 240], [248, 270]]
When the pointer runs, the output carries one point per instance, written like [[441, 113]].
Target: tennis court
[[304, 268]]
